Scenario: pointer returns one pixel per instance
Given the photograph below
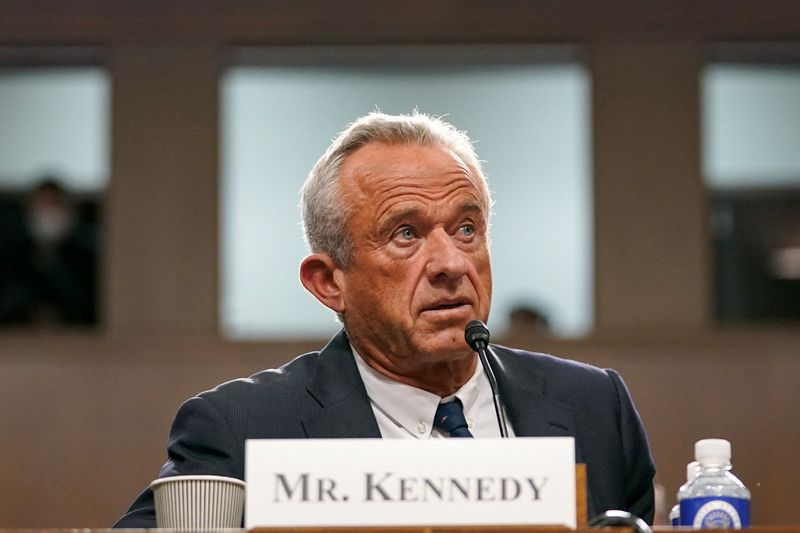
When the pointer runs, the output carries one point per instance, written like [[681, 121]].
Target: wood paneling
[[381, 21], [162, 225], [651, 243]]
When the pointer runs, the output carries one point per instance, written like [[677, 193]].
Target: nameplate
[[399, 482]]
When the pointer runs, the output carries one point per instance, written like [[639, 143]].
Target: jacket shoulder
[[556, 373], [268, 404], [285, 378]]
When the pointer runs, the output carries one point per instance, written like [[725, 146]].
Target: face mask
[[49, 226]]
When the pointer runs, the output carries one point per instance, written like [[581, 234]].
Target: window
[[53, 168], [751, 162], [530, 121]]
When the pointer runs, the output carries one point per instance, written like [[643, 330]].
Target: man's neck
[[441, 378]]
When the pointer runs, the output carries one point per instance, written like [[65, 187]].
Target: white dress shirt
[[406, 412]]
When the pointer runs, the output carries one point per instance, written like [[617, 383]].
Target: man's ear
[[322, 278]]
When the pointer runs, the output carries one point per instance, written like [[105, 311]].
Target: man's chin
[[445, 346]]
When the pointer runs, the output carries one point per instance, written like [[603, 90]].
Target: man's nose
[[445, 259]]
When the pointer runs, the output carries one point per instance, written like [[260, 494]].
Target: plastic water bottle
[[715, 499], [692, 470]]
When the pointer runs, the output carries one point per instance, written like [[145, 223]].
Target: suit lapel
[[523, 392], [532, 413], [345, 410]]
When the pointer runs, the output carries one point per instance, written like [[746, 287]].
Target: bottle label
[[715, 512]]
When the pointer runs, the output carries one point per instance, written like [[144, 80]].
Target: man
[[396, 213]]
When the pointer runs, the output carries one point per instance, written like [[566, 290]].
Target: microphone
[[477, 336]]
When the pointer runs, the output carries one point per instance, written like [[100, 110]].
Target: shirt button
[[421, 427], [469, 423]]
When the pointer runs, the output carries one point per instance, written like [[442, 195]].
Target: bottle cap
[[692, 470], [712, 452]]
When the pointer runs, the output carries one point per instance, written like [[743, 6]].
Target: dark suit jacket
[[321, 395]]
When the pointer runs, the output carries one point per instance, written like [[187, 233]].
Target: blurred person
[[527, 318], [48, 272], [396, 213]]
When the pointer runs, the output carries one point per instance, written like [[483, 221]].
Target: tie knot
[[450, 419]]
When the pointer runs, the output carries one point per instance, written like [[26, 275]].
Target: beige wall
[[84, 420], [83, 417]]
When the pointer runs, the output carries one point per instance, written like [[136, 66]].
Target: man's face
[[419, 267], [50, 215]]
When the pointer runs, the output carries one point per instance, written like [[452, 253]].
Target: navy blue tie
[[450, 419]]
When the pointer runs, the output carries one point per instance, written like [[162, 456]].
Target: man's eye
[[405, 234], [467, 230]]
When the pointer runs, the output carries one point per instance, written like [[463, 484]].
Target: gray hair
[[324, 215]]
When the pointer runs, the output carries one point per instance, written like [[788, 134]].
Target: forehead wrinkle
[[421, 195], [379, 185]]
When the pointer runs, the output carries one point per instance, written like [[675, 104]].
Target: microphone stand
[[477, 335]]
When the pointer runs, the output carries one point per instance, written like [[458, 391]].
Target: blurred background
[[644, 159]]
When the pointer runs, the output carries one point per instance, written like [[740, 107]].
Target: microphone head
[[476, 334]]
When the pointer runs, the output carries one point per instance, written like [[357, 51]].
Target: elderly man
[[396, 213]]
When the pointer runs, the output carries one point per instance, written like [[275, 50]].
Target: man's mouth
[[450, 304]]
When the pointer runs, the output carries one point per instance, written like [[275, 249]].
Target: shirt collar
[[409, 406]]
